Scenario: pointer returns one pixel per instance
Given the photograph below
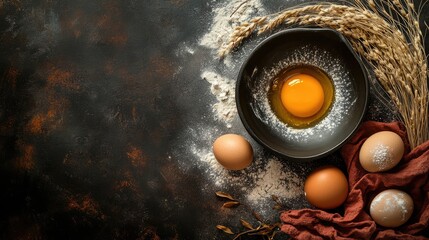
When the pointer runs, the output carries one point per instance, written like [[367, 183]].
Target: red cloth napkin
[[411, 175]]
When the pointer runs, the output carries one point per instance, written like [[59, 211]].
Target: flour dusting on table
[[226, 18], [267, 175], [223, 89]]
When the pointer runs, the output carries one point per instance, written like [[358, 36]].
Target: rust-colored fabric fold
[[411, 175]]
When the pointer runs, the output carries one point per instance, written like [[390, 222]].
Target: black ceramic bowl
[[325, 49]]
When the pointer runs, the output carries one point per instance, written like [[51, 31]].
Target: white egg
[[391, 208]]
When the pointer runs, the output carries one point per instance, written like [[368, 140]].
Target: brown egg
[[233, 151], [326, 187], [391, 208], [381, 151]]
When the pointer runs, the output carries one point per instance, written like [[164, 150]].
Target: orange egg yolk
[[302, 95]]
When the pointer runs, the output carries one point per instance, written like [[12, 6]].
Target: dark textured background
[[90, 109]]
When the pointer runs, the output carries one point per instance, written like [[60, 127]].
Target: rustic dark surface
[[90, 110]]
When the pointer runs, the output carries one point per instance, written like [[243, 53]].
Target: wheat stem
[[386, 33]]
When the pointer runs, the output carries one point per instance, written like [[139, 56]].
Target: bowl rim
[[314, 29]]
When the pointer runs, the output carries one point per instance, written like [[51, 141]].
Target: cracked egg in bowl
[[302, 92]]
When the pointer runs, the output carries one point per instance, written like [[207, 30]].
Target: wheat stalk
[[386, 33], [240, 33]]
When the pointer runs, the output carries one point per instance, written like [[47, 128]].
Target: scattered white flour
[[276, 180], [226, 18], [266, 176], [223, 88], [382, 156], [344, 97], [184, 50]]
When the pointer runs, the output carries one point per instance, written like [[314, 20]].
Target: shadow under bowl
[[324, 49]]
